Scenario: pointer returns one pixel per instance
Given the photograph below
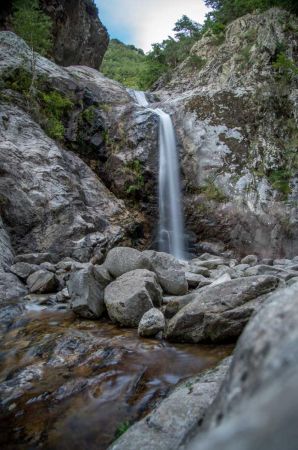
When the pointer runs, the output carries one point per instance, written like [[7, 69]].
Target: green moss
[[88, 115], [285, 67], [19, 80], [213, 192], [55, 129], [280, 180], [53, 107], [135, 169]]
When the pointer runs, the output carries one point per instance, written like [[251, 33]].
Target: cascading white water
[[171, 227]]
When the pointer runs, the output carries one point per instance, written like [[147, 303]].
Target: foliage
[[225, 11], [121, 429], [88, 115], [124, 63], [54, 107], [135, 169], [286, 67], [130, 66], [279, 179], [29, 22], [213, 192]]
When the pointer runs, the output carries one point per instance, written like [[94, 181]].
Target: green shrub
[[280, 180], [196, 62], [285, 66], [135, 169], [29, 22], [55, 128]]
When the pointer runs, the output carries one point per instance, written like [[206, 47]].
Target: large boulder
[[23, 270], [152, 322], [171, 422], [257, 404], [86, 290], [219, 313], [170, 272], [120, 260], [133, 294]]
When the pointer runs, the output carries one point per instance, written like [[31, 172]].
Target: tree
[[185, 27], [33, 25]]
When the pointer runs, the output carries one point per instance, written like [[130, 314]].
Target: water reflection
[[66, 383]]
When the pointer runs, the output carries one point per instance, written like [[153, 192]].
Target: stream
[[73, 384]]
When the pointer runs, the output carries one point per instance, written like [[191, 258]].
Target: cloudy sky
[[143, 22]]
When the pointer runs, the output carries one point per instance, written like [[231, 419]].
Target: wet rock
[[260, 383], [171, 422], [86, 293], [152, 322], [129, 297], [42, 282], [219, 313], [121, 260], [267, 261], [23, 270], [252, 260]]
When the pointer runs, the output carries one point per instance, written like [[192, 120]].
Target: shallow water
[[73, 384]]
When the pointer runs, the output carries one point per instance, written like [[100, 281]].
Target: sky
[[143, 22]]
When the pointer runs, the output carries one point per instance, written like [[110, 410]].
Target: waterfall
[[171, 234]]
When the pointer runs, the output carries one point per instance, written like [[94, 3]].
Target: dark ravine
[[78, 209]]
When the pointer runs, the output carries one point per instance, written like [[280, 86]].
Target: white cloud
[[152, 21]]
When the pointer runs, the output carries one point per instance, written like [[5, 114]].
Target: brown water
[[73, 384]]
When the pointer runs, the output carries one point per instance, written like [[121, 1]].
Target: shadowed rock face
[[79, 36]]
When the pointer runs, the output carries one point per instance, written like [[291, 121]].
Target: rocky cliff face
[[79, 36], [236, 116], [51, 200]]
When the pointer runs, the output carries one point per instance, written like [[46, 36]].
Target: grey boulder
[[23, 269], [121, 260], [86, 293], [170, 272], [171, 422], [257, 406], [152, 322], [130, 296], [219, 313], [42, 282]]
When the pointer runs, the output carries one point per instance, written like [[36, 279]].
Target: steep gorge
[[79, 212]]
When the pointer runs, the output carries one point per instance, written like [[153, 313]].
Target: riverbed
[[75, 384]]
